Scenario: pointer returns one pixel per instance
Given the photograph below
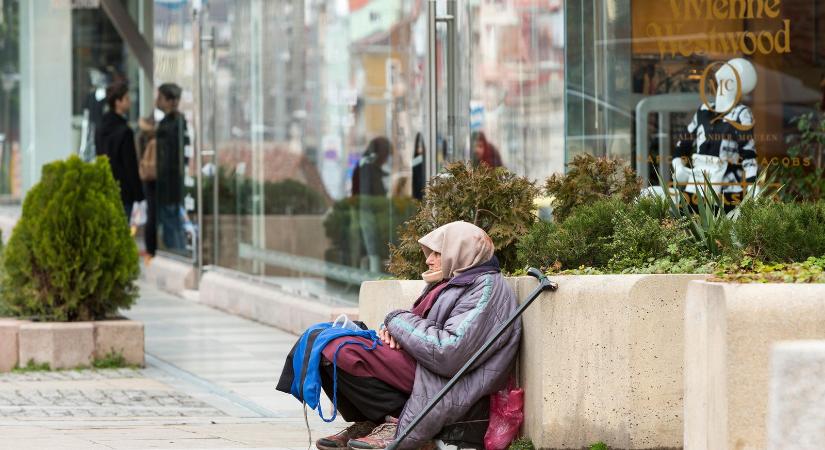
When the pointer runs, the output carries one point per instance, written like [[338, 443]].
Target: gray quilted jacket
[[465, 315]]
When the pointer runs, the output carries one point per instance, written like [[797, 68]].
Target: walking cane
[[544, 284]]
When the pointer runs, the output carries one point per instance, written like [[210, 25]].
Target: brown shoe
[[340, 440], [380, 437]]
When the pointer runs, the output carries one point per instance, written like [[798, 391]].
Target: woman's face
[[434, 261]]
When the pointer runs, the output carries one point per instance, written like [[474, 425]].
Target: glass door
[[496, 80]]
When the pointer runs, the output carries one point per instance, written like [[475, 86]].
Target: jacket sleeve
[[445, 348]]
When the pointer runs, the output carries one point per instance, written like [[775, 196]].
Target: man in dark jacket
[[117, 141], [171, 138]]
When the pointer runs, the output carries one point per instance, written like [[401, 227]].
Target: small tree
[[589, 179], [71, 257], [495, 200]]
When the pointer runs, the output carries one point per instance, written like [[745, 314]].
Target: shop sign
[[680, 37]]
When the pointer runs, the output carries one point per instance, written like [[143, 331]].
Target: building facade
[[313, 122]]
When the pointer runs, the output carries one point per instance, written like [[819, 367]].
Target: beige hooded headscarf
[[462, 246]]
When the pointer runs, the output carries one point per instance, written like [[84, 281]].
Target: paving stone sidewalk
[[209, 383]]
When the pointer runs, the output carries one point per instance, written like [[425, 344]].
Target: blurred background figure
[[484, 151], [117, 141], [371, 191], [171, 137]]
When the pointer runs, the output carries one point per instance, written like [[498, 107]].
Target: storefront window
[[715, 83]]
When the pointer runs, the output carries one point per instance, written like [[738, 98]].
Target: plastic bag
[[138, 214], [506, 416]]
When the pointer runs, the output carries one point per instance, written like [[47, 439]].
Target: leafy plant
[[343, 226], [522, 443], [749, 270], [112, 360], [32, 366], [781, 232], [599, 446], [235, 196], [495, 200], [582, 239], [803, 172], [71, 256], [641, 238], [589, 179]]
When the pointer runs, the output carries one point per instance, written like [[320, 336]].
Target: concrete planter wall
[[66, 345], [729, 332], [601, 359]]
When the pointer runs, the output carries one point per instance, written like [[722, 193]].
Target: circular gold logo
[[723, 86]]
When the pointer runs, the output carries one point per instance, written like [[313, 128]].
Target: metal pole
[[197, 30], [431, 152], [544, 284]]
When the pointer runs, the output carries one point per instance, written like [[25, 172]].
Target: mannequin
[[725, 150]]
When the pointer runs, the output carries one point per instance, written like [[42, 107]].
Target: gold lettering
[[765, 49], [772, 8], [806, 162], [743, 8], [796, 162], [696, 6], [745, 49], [785, 35], [720, 10]]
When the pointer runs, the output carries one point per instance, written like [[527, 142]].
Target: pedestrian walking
[[117, 141]]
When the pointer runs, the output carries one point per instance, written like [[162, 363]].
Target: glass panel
[[689, 84], [315, 109], [174, 191], [10, 99], [509, 63]]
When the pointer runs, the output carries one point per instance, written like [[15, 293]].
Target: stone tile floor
[[209, 382]]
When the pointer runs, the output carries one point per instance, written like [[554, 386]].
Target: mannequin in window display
[[719, 142]]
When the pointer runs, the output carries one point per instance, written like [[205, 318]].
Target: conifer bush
[[494, 199], [71, 256]]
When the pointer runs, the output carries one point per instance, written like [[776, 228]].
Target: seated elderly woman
[[381, 388]]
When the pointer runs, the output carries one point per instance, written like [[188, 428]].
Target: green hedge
[[71, 256]]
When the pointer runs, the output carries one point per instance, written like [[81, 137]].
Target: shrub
[[343, 226], [803, 175], [280, 197], [495, 200], [522, 443], [581, 240], [640, 238], [589, 179], [781, 232], [71, 256]]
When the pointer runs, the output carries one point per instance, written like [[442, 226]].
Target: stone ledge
[[68, 345], [796, 413], [601, 358], [120, 336], [9, 347], [729, 332], [64, 345], [170, 275], [266, 304]]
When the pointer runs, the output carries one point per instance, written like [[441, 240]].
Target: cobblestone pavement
[[30, 395], [208, 383]]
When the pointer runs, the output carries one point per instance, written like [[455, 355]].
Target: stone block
[[601, 358], [796, 412], [9, 329], [729, 331], [265, 303], [64, 345], [120, 336], [171, 275]]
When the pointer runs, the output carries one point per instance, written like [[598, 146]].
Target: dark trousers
[[150, 229], [363, 398]]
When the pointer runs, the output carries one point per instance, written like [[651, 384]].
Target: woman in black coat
[[117, 141]]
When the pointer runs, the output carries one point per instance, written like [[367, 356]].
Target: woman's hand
[[384, 335]]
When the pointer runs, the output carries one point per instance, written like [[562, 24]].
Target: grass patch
[[522, 443], [113, 360], [32, 366], [599, 446]]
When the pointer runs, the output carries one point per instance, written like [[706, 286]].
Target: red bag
[[506, 416]]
